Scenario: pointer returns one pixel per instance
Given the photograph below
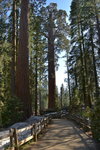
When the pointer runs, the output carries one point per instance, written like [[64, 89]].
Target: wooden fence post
[[41, 123], [16, 139], [50, 119], [47, 121], [11, 132], [44, 122], [35, 135], [33, 129]]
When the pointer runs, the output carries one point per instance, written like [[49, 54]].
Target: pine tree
[[81, 22], [37, 53]]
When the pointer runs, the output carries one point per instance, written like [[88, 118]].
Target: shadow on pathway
[[63, 134]]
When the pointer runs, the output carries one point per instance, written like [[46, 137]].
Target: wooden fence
[[80, 121], [35, 129]]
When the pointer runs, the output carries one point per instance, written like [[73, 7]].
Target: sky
[[60, 74], [62, 4]]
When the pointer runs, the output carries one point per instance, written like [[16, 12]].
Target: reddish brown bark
[[13, 50], [51, 65], [22, 72], [36, 88]]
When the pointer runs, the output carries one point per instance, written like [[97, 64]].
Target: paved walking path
[[63, 134]]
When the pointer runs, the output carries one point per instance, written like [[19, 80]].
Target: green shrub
[[95, 122], [87, 112], [11, 111], [1, 105]]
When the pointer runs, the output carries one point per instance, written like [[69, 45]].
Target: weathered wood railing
[[80, 121], [35, 129]]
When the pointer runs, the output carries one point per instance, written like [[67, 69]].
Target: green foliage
[[83, 62], [83, 68], [75, 101], [87, 112], [63, 97], [1, 105], [95, 122], [57, 104], [11, 111]]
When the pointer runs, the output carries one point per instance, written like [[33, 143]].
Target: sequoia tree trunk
[[51, 65], [22, 70], [36, 88], [13, 49]]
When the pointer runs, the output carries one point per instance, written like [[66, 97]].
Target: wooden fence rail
[[35, 129], [81, 121]]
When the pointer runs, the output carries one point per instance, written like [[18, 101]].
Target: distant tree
[[54, 27], [61, 95], [37, 53]]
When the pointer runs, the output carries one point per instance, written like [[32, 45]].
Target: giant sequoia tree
[[22, 72], [14, 46], [55, 30]]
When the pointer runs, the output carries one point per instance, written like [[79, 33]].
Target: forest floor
[[62, 134]]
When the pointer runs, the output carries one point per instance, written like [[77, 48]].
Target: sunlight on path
[[63, 135]]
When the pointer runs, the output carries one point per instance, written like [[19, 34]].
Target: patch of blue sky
[[62, 4]]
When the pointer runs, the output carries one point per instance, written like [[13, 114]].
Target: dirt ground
[[62, 134]]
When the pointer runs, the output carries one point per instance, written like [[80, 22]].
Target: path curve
[[63, 134]]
